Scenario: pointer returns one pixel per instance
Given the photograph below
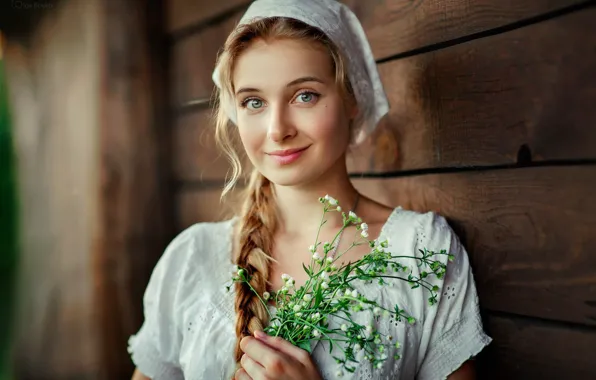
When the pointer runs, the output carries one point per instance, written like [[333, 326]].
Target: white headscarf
[[343, 28]]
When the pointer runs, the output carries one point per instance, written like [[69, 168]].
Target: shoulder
[[196, 252], [408, 227]]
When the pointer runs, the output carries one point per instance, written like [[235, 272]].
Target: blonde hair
[[258, 214]]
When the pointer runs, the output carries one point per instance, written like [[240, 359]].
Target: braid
[[255, 244]]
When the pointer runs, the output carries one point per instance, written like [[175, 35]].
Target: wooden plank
[[480, 103], [529, 232], [193, 60], [195, 154], [195, 206], [525, 348], [188, 13], [135, 206], [55, 140], [397, 26]]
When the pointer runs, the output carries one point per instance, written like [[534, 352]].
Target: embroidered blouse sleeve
[[155, 348], [453, 331]]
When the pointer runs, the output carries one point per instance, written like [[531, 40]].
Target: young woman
[[298, 85]]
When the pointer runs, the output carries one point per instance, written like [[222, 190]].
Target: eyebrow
[[292, 83]]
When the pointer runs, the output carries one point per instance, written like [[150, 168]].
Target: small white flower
[[332, 201], [306, 328], [290, 282], [317, 256], [339, 373], [355, 293], [312, 249], [369, 329], [285, 277], [330, 260], [324, 285], [266, 296], [364, 233], [316, 333], [297, 308], [307, 297], [338, 208], [377, 311], [325, 276], [364, 227], [357, 347], [344, 327], [348, 293], [384, 356], [299, 315], [315, 316], [352, 215], [379, 365]]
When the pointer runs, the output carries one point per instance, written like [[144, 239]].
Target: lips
[[287, 156], [286, 152]]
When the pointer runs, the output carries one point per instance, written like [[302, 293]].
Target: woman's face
[[287, 99]]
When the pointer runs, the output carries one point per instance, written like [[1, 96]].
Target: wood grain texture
[[529, 232], [55, 140], [482, 102], [203, 206], [524, 348], [397, 26], [187, 13], [195, 154], [135, 220], [193, 59]]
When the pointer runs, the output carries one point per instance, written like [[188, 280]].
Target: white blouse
[[188, 331]]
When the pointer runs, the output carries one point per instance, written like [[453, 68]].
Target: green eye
[[306, 97], [253, 103]]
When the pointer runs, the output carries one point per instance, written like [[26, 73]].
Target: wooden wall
[[53, 81], [88, 88], [492, 125]]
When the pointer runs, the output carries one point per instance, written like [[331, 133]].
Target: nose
[[280, 125]]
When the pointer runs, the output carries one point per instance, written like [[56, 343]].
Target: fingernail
[[260, 335]]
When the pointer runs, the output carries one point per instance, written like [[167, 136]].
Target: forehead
[[278, 62]]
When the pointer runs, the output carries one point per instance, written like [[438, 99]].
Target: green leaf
[[347, 271], [307, 270], [305, 345]]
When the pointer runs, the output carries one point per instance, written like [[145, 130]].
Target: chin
[[295, 176]]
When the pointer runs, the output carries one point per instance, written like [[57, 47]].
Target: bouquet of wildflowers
[[303, 314]]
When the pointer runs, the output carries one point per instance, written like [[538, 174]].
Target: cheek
[[250, 136], [329, 126]]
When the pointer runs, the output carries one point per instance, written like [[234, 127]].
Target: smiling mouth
[[287, 152], [285, 157]]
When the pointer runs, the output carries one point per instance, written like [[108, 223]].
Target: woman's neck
[[300, 211]]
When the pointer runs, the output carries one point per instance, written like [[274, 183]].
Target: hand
[[273, 358]]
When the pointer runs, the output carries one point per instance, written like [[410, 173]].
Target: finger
[[242, 375], [260, 352], [252, 368], [284, 346]]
